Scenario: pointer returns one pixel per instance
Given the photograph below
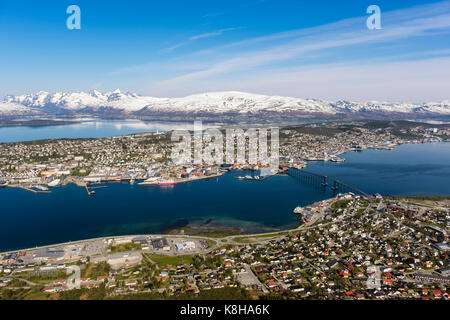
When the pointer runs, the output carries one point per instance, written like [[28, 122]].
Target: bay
[[88, 129], [68, 214]]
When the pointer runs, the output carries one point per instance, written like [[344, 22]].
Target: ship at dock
[[167, 182], [149, 181], [337, 159]]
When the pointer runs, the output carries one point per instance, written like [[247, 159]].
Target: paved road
[[73, 282]]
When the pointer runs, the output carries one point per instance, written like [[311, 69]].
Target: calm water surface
[[88, 129], [69, 214], [409, 169], [29, 220]]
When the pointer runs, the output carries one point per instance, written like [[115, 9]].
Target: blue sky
[[307, 49]]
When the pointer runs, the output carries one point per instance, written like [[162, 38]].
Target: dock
[[99, 187], [29, 189], [183, 180], [87, 190]]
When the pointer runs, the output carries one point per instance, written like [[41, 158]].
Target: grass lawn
[[164, 260], [41, 296], [95, 270], [125, 247]]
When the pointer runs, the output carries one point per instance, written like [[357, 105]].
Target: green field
[[164, 260], [125, 247]]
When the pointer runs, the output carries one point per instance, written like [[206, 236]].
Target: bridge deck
[[335, 181]]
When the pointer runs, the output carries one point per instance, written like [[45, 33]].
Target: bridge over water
[[324, 181]]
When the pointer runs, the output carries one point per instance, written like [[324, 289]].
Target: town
[[38, 165], [350, 247]]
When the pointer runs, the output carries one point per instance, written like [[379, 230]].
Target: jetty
[[99, 187], [88, 191], [29, 189]]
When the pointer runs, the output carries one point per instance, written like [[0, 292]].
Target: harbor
[[254, 207]]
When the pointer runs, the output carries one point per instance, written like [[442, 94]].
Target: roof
[[49, 253]]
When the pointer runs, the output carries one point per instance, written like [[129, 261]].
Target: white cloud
[[286, 63], [200, 36], [397, 25], [422, 80]]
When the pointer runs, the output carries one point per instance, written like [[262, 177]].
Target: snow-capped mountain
[[9, 109], [81, 100], [117, 103]]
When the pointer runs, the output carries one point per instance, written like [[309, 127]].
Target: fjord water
[[87, 129], [409, 169], [68, 213], [29, 220]]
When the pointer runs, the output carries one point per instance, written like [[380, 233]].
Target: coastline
[[178, 235], [83, 184], [157, 235], [182, 180]]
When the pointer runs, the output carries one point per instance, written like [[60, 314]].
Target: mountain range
[[214, 105]]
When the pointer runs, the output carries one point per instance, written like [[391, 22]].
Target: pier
[[99, 187], [325, 181], [29, 189], [88, 191]]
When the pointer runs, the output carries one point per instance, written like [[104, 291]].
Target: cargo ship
[[166, 182], [149, 181]]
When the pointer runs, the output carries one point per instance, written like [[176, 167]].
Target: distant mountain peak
[[219, 103]]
